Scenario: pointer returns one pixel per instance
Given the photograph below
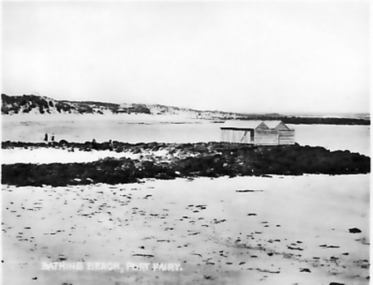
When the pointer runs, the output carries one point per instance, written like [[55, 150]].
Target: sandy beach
[[246, 230], [10, 156]]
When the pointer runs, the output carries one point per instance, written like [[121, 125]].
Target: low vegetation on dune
[[182, 160], [26, 104]]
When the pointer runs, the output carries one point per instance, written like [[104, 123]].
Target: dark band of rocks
[[212, 159]]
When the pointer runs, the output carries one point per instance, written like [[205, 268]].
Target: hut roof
[[272, 124], [241, 124], [250, 125]]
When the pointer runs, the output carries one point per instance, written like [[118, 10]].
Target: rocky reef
[[213, 159]]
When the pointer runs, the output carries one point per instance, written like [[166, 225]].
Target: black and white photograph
[[185, 142]]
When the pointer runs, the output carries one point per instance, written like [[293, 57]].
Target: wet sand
[[280, 230]]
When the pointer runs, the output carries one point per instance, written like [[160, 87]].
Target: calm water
[[353, 138]]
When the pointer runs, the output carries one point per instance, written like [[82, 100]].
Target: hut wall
[[246, 137], [237, 136], [262, 135], [224, 135], [286, 137], [266, 137]]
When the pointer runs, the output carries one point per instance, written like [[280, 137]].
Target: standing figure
[[94, 144], [111, 145], [52, 138], [46, 138]]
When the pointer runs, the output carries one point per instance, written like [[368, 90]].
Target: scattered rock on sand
[[246, 191], [219, 221], [354, 230], [295, 248], [143, 255], [329, 246]]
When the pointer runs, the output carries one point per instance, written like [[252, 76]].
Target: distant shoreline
[[44, 107], [170, 161], [173, 119]]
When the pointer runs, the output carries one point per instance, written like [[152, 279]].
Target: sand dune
[[294, 231]]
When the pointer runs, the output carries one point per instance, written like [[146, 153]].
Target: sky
[[239, 56]]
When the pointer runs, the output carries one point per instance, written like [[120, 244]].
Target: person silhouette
[[46, 138]]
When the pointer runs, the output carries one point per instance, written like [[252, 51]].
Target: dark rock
[[295, 248], [305, 270], [63, 142], [354, 230], [143, 255], [223, 159], [246, 191]]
